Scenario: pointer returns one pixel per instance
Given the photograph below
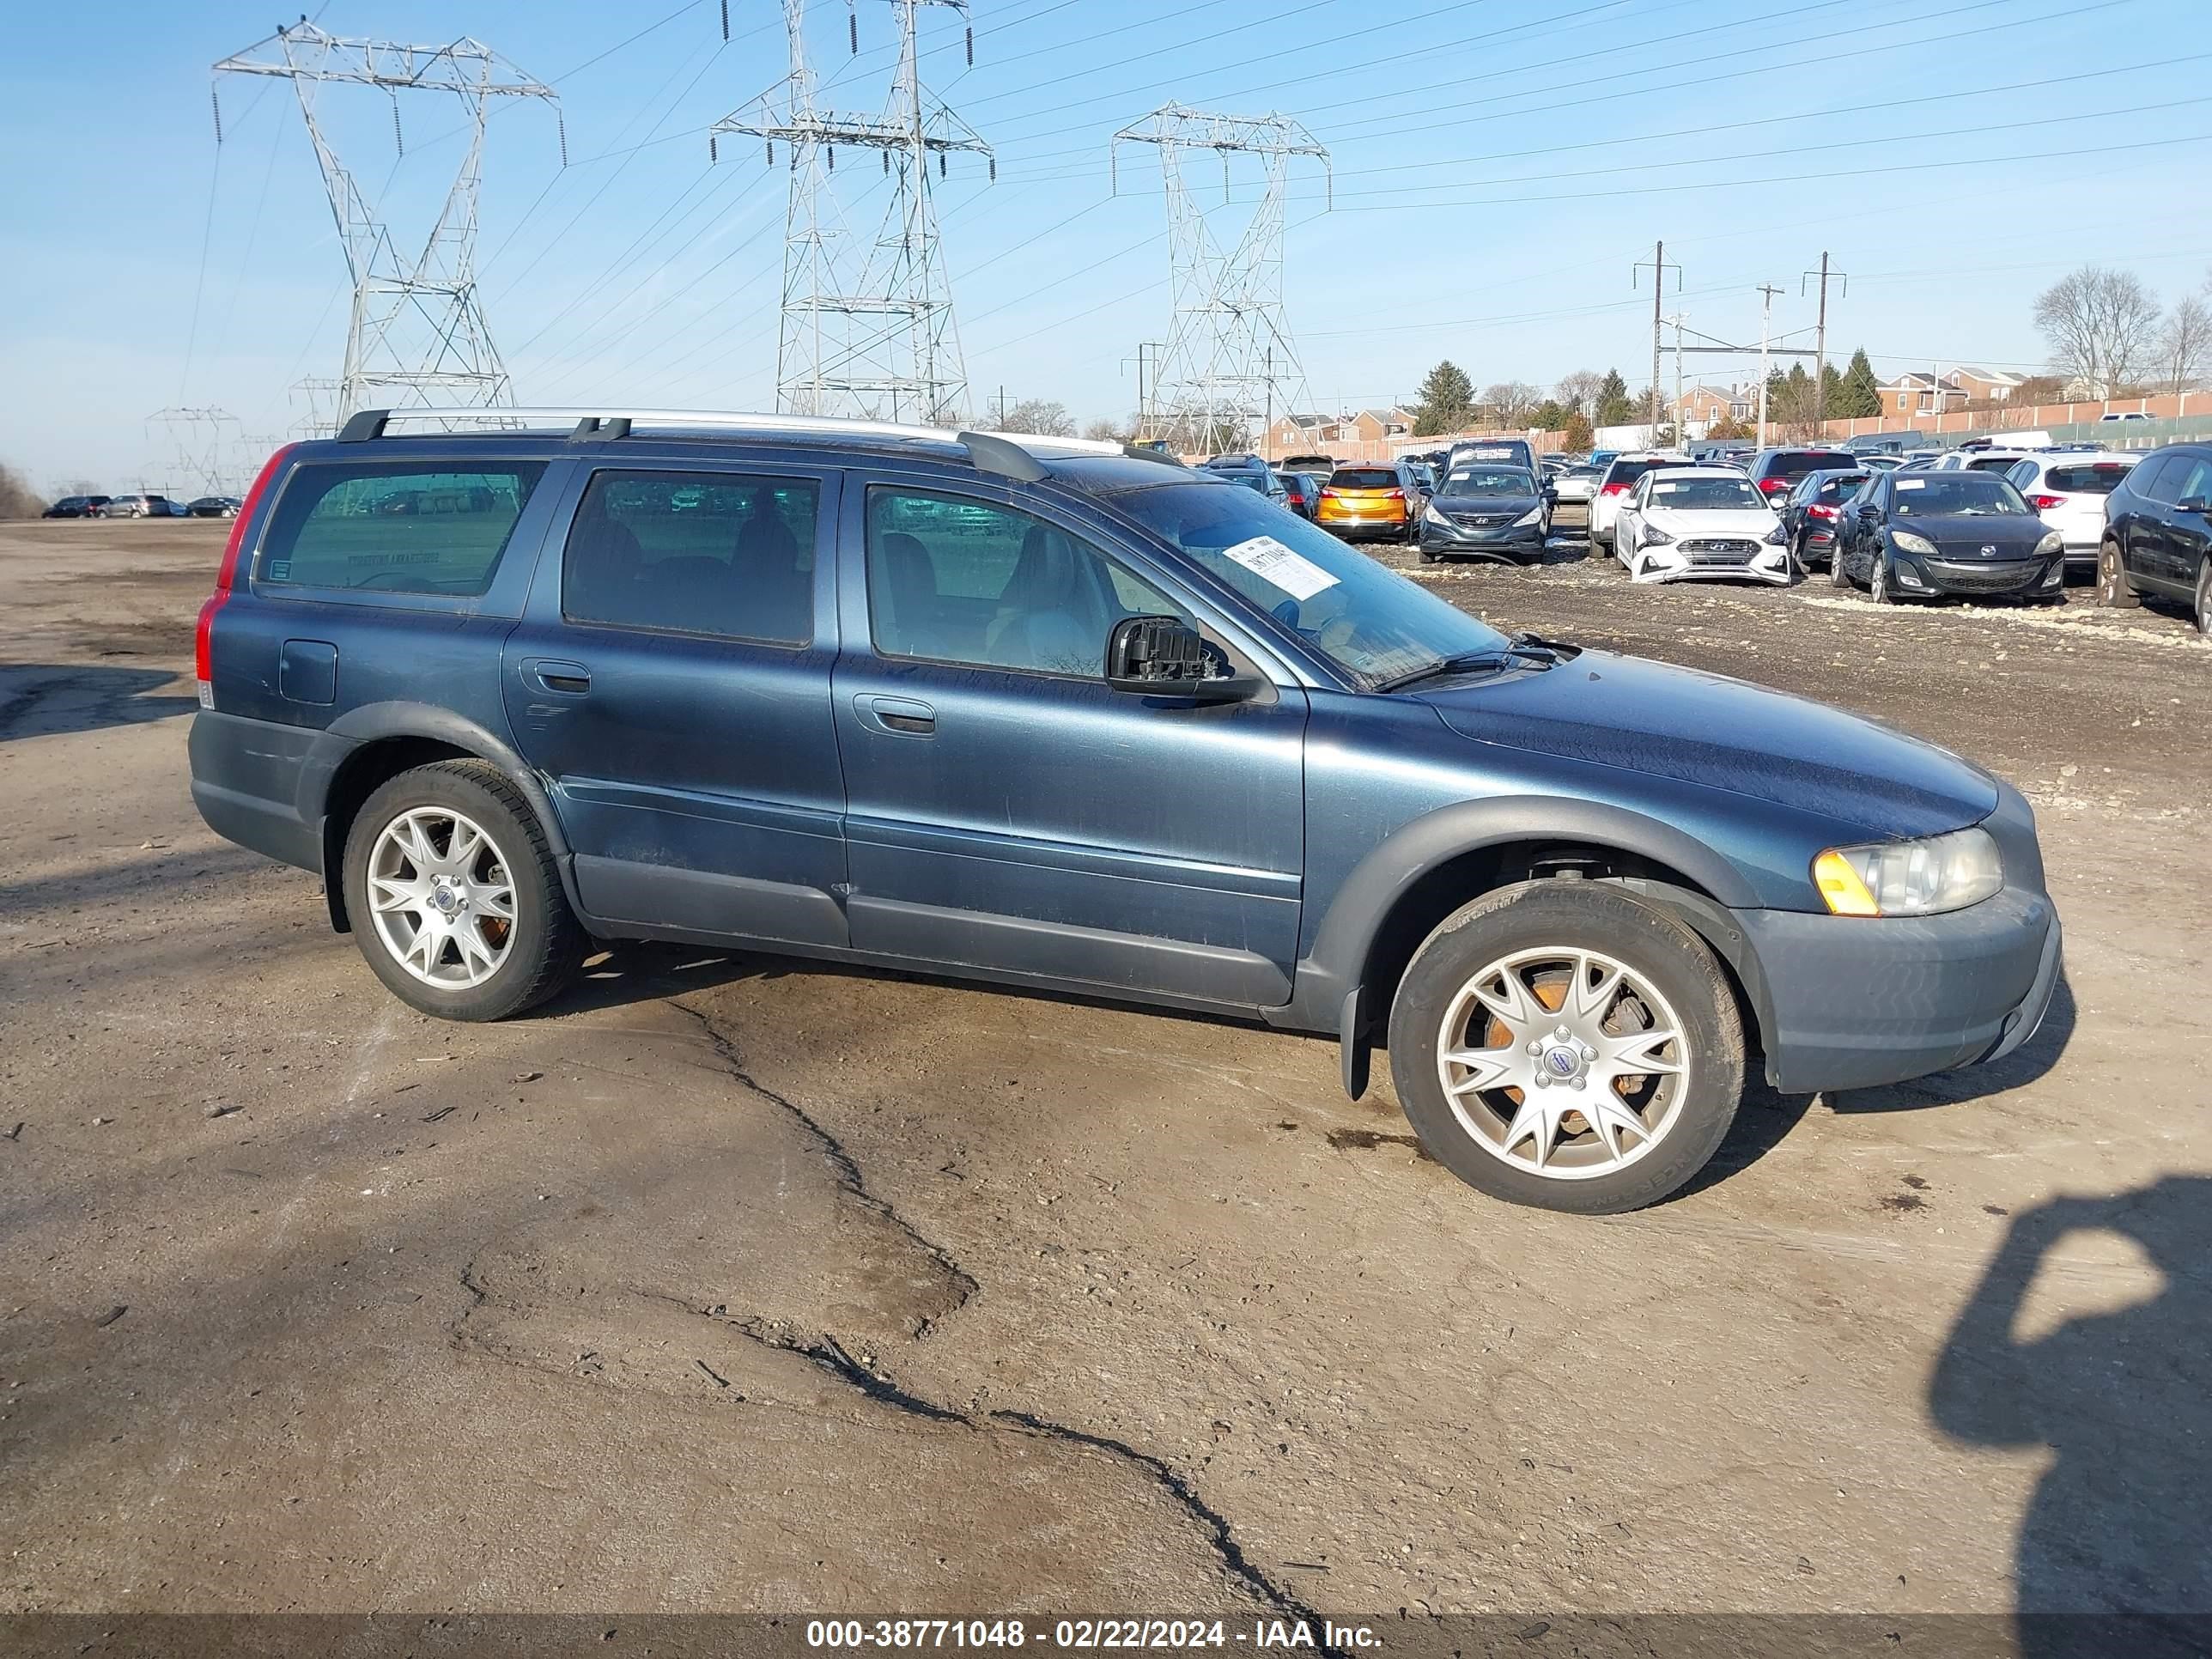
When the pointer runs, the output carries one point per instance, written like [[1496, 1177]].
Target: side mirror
[[2200, 504], [1165, 657]]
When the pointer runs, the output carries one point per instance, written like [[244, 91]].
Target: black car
[[1250, 472], [1775, 471], [1301, 491], [1919, 535], [2158, 533], [213, 506], [1484, 510], [76, 507], [1810, 515]]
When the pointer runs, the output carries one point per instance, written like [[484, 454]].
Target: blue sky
[[1500, 165]]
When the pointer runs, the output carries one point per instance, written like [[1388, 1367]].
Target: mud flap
[[1351, 1046]]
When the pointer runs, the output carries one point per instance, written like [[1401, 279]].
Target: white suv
[[2068, 489], [1620, 476]]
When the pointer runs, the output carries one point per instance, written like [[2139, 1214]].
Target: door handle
[[902, 716], [570, 678]]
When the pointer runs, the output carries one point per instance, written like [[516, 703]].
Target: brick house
[[1917, 393], [1985, 385], [1705, 406], [1377, 426]]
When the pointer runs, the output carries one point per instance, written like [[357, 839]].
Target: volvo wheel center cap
[[1563, 1061]]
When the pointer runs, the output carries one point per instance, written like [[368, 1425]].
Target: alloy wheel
[[1563, 1062], [441, 898]]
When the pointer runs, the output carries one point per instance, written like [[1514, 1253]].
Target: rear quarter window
[[388, 528]]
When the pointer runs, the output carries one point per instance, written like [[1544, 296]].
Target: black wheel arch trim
[[376, 722]]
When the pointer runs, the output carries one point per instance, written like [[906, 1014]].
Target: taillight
[[1821, 511], [1772, 485], [203, 666], [1615, 489], [2044, 503], [1328, 495], [1393, 495]]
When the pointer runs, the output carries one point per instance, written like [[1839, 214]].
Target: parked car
[[1424, 474], [1230, 765], [1922, 535], [1918, 460], [1320, 464], [213, 506], [1810, 516], [2132, 414], [1987, 458], [76, 507], [1775, 471], [1577, 484], [1620, 476], [1379, 498], [1512, 452], [1301, 492], [1250, 472], [1880, 443], [1487, 510], [1879, 460], [1602, 459], [141, 506], [2068, 490], [2158, 532], [1699, 524]]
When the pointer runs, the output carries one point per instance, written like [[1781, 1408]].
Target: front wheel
[[2204, 598], [454, 898], [1564, 1045], [1878, 587], [2112, 590], [1838, 575]]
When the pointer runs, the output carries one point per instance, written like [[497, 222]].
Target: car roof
[[1676, 473]]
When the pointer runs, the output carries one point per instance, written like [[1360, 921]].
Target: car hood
[[1722, 733], [1964, 535], [1713, 521], [1512, 505]]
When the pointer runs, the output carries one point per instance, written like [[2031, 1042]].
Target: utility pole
[[868, 325], [1219, 358], [1681, 429], [1765, 314], [417, 334], [1821, 337], [1659, 268]]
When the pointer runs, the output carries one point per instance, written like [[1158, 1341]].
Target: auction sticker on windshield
[[1288, 569]]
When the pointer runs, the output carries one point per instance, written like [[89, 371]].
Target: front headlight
[[1778, 536], [1905, 542], [1910, 877], [1435, 517], [1653, 536], [1534, 515], [2052, 543]]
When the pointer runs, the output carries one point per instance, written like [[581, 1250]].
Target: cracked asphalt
[[735, 1283]]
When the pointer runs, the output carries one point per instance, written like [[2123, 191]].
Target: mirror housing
[[2198, 504], [1166, 657]]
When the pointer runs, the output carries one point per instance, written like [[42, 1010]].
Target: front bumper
[[1771, 565], [1995, 579], [1517, 542], [1852, 1003]]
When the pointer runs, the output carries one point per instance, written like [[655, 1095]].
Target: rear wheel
[[1838, 575], [2112, 590], [1564, 1045], [455, 901], [2204, 597]]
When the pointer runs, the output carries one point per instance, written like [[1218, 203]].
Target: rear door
[[670, 677], [1010, 810], [2143, 533]]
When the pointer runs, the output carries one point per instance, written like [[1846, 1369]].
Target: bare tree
[[1579, 390], [1110, 431], [17, 499], [2184, 342], [1511, 402], [1037, 416], [2102, 326]]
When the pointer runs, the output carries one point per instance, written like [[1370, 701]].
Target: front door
[[1007, 810], [671, 678]]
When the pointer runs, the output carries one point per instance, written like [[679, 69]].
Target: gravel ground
[[737, 1283]]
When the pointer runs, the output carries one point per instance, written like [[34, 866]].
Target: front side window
[[694, 553], [390, 527], [957, 580]]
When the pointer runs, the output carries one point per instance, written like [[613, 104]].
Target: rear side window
[[694, 553], [1365, 477], [385, 527]]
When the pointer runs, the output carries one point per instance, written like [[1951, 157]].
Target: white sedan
[[2066, 489], [1688, 524]]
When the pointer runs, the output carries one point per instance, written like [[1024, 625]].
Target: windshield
[[1366, 619], [1705, 495], [1974, 495], [1489, 481]]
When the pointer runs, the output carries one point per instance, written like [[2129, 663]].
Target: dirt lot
[[734, 1283]]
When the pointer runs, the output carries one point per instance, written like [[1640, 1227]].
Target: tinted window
[[1796, 463], [2155, 478], [1704, 495], [694, 553], [386, 527], [1489, 481], [1837, 486], [1930, 494], [1365, 477], [1346, 606], [2097, 478], [1991, 464], [2194, 480], [1625, 473], [964, 582]]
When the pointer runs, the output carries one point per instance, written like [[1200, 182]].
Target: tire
[[2204, 598], [532, 957], [1878, 587], [2112, 590], [1838, 576], [1669, 980]]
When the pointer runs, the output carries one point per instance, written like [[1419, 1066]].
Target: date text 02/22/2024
[[1085, 1634]]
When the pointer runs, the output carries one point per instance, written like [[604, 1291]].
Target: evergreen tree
[[1580, 440], [1446, 403], [1859, 396], [1612, 405]]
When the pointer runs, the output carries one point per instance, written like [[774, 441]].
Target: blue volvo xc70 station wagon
[[1069, 717]]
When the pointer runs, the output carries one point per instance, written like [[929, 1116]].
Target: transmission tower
[[318, 395], [417, 336], [868, 326], [1228, 358], [195, 446]]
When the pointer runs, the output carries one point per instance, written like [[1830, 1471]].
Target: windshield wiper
[[1523, 651]]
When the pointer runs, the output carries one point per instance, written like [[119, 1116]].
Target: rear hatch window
[[1627, 472], [2097, 478], [1364, 477], [388, 528], [1796, 463]]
